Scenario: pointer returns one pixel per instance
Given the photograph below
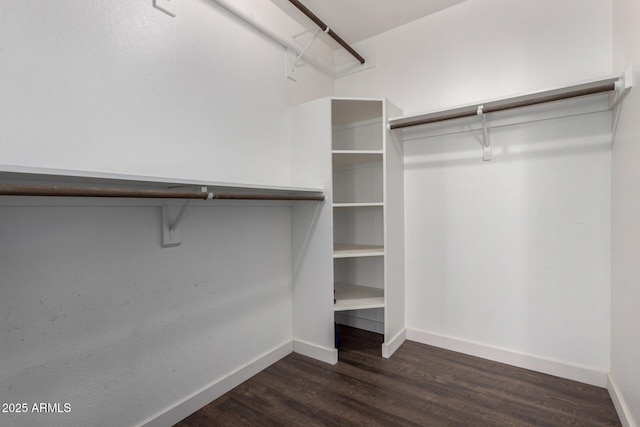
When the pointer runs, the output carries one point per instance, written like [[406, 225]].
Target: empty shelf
[[346, 251], [355, 157], [356, 297]]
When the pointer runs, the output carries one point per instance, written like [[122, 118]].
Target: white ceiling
[[356, 20]]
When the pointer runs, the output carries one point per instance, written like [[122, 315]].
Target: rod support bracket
[[294, 60], [622, 88], [171, 217], [171, 235], [486, 141]]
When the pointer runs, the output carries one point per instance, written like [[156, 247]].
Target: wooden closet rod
[[54, 191], [325, 27], [505, 104]]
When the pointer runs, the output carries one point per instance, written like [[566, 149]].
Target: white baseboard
[[201, 398], [618, 401], [323, 354], [509, 357], [390, 347]]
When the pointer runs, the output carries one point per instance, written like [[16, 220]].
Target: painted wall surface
[[96, 314], [512, 253], [121, 87], [625, 290], [93, 312], [484, 49]]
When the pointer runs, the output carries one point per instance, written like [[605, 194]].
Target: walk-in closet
[[301, 212]]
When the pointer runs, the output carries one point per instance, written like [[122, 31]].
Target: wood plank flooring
[[419, 386]]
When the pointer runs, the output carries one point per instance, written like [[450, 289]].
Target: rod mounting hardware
[[486, 142], [171, 232], [171, 235], [622, 88], [302, 8], [176, 222], [299, 57]]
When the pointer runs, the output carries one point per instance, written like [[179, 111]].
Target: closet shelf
[[357, 297], [615, 87], [618, 84], [358, 152], [17, 181], [40, 180], [351, 251], [358, 205]]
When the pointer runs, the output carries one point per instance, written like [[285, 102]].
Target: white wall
[[625, 292], [479, 50], [93, 311], [512, 253], [122, 87]]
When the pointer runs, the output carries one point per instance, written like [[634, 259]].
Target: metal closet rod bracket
[[486, 142], [171, 235], [621, 89], [304, 50], [302, 8]]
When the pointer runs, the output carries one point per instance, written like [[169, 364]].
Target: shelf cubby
[[360, 184], [351, 158]]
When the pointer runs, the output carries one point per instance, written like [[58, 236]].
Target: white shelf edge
[[372, 152], [349, 98], [354, 251], [358, 255], [14, 172], [357, 297], [359, 205], [357, 306]]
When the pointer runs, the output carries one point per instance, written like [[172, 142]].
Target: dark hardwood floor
[[419, 386]]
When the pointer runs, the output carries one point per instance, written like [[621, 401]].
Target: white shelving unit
[[358, 159], [344, 147]]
